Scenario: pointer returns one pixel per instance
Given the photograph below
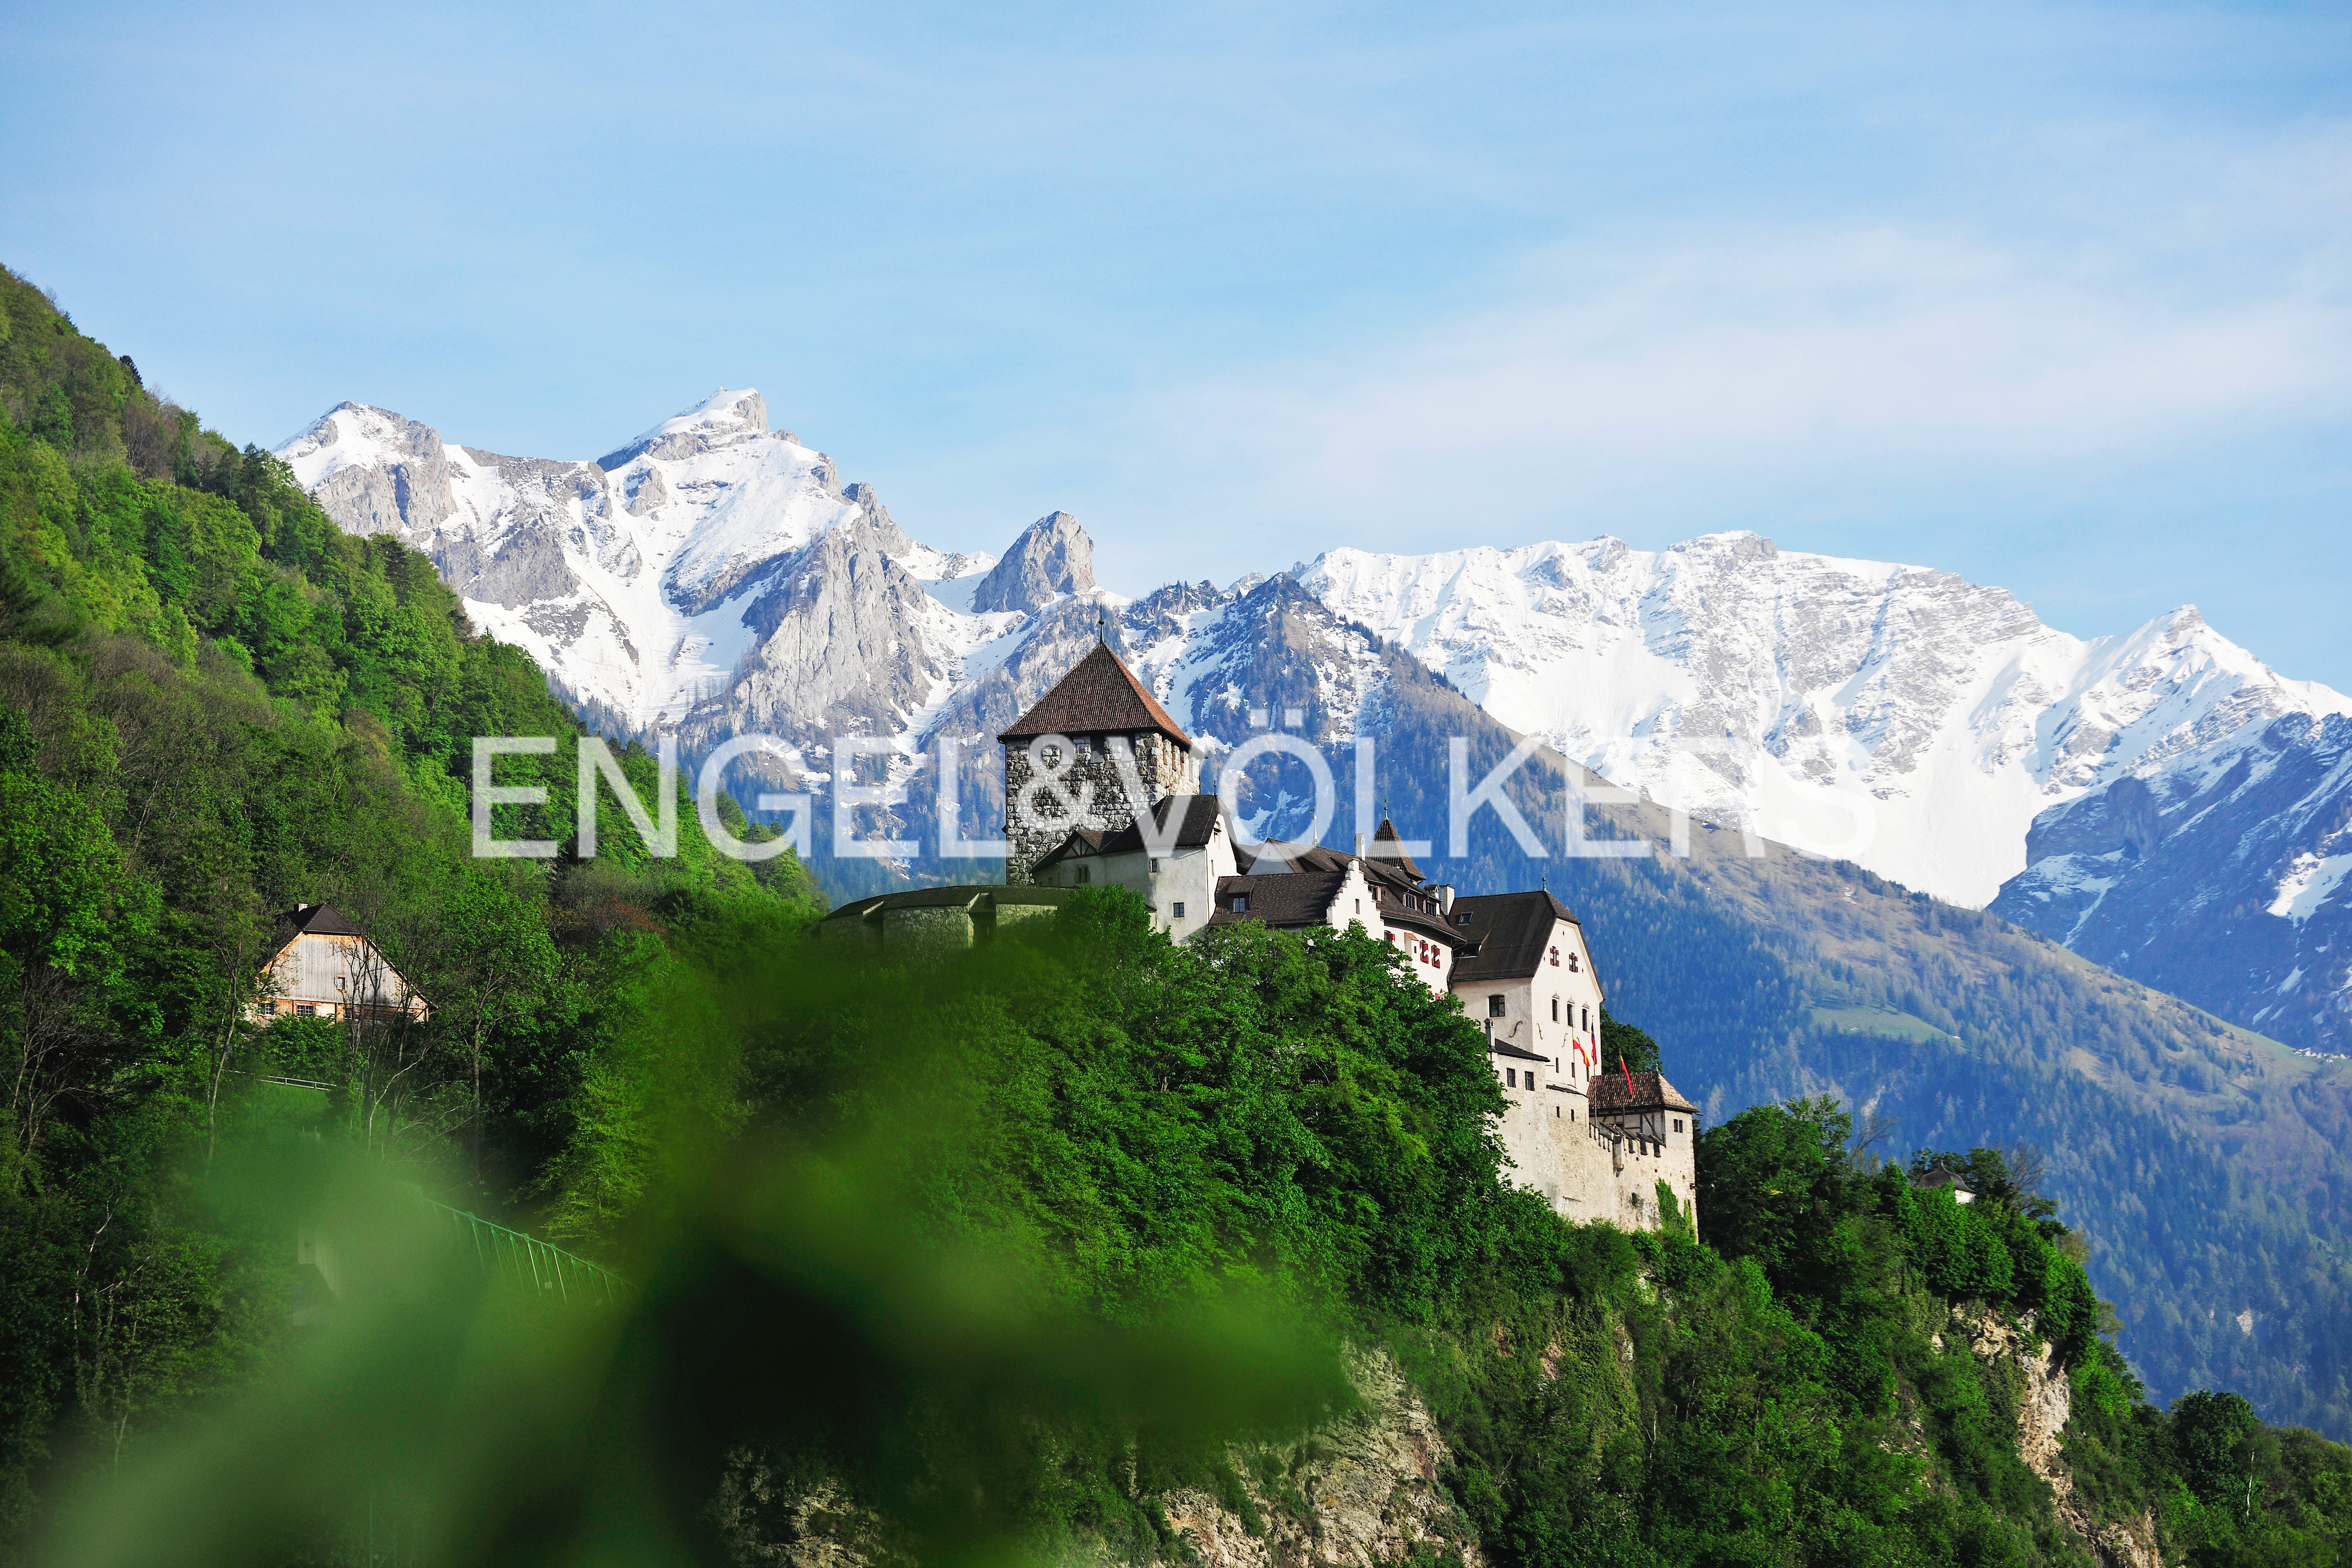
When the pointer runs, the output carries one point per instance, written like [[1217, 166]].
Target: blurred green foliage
[[215, 705]]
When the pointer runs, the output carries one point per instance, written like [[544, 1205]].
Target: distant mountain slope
[[2224, 884]]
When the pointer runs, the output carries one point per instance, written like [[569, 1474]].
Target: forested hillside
[[2212, 1167], [215, 706], [1083, 1247]]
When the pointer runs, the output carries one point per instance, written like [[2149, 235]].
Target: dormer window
[[1241, 903]]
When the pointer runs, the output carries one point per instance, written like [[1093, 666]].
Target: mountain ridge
[[714, 576]]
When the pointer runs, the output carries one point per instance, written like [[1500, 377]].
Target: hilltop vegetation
[[1007, 1255], [213, 706]]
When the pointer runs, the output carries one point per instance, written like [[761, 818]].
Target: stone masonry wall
[[1087, 764]]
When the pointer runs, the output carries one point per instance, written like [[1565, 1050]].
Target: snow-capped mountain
[[715, 577], [2222, 880], [642, 583], [1893, 715]]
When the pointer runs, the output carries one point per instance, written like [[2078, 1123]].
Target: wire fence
[[544, 1272]]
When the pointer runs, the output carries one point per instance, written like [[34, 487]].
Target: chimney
[[1360, 846], [1445, 897]]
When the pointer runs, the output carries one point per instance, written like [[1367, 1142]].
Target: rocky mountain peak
[[722, 419], [1051, 558]]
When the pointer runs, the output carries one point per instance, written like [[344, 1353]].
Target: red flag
[[1627, 1072]]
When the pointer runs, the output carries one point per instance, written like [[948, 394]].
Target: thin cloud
[[1779, 352]]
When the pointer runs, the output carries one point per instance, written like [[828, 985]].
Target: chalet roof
[[315, 919], [1099, 697], [1280, 898], [1199, 822], [963, 896], [1943, 1178], [1264, 862], [1607, 1096], [1512, 931]]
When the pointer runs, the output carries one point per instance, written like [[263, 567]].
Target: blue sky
[[2058, 298]]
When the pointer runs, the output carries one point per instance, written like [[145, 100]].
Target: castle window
[[1512, 1074], [1555, 1009], [1678, 1123], [1588, 1020], [1052, 756], [1180, 909], [1241, 903], [1493, 1006], [1085, 874]]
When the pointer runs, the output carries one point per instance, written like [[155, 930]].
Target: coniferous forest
[[1033, 1254]]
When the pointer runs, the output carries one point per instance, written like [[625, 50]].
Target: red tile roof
[[1607, 1094], [1099, 697]]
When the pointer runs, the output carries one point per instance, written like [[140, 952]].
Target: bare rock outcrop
[[1054, 557], [2042, 1409], [1361, 1491]]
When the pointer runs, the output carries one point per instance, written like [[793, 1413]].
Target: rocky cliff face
[[1053, 558], [1359, 1490], [2043, 1406], [1362, 1490]]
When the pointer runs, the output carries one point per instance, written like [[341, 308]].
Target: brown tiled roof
[[1199, 821], [1607, 1094], [1264, 862], [1280, 898], [1099, 697], [1512, 931]]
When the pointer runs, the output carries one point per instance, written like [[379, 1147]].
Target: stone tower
[[1080, 731]]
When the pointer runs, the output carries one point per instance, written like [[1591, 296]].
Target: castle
[[1595, 1141]]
